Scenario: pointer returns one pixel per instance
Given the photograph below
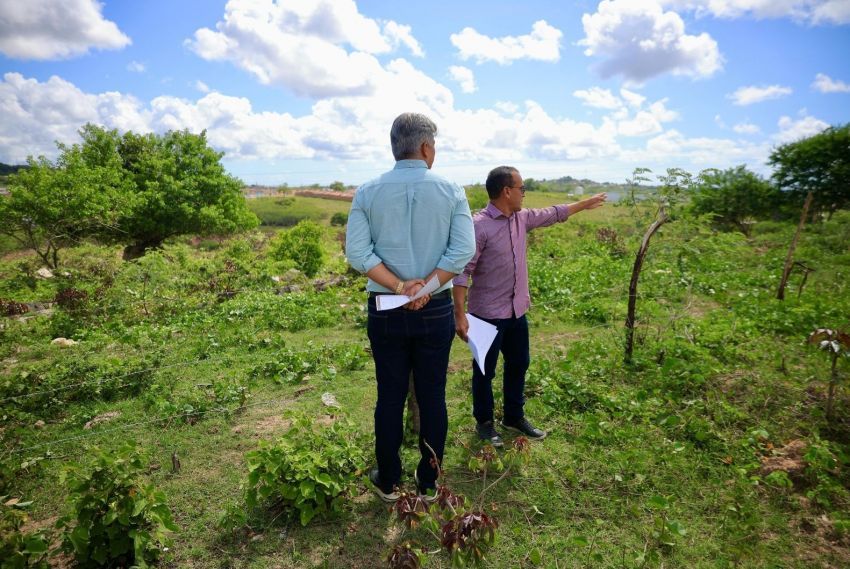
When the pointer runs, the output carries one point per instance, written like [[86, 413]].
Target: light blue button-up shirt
[[413, 221]]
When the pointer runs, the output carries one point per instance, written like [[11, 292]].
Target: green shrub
[[115, 520], [735, 196], [307, 472], [339, 218], [19, 549], [301, 244]]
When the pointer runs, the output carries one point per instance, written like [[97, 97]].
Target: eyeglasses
[[520, 188]]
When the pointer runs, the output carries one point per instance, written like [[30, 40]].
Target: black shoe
[[487, 432], [525, 428], [388, 497], [427, 494]]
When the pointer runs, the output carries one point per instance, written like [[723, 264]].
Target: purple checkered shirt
[[499, 268]]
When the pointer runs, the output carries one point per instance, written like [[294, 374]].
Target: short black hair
[[498, 178]]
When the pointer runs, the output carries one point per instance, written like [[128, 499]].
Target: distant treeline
[[7, 169]]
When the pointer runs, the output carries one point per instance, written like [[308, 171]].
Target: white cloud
[[339, 128], [643, 122], [598, 98], [302, 45], [201, 86], [46, 29], [542, 44], [672, 148], [464, 76], [136, 67], [752, 94], [746, 128], [36, 114], [403, 35], [638, 40], [647, 121], [632, 99], [826, 84], [804, 11], [791, 130]]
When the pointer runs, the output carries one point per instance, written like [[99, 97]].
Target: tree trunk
[[641, 254], [789, 260], [138, 249], [412, 405], [833, 379]]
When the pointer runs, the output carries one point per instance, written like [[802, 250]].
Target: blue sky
[[304, 91]]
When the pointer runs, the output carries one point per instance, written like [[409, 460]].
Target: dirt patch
[[788, 459]]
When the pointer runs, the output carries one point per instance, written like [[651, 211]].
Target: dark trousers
[[512, 340], [404, 340]]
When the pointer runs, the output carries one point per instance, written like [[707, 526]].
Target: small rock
[[105, 418], [39, 424], [44, 273], [329, 400], [64, 342]]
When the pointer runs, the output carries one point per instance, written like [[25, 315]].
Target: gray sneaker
[[487, 432], [427, 494], [388, 497], [525, 428]]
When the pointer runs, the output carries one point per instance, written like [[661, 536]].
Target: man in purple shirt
[[499, 295]]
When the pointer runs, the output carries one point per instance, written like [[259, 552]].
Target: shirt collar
[[409, 164], [495, 212]]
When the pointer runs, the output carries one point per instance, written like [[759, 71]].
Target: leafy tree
[[532, 185], [180, 186], [55, 204], [303, 245], [735, 196], [820, 164], [337, 187]]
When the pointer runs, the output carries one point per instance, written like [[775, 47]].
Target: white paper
[[481, 335], [390, 301], [429, 287]]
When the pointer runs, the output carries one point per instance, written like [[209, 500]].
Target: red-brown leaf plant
[[405, 556], [410, 509], [468, 536]]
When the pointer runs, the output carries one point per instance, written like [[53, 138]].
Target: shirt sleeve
[[545, 216], [359, 248], [480, 240], [461, 245]]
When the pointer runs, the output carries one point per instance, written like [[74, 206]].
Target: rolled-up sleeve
[[461, 246], [463, 278], [359, 248]]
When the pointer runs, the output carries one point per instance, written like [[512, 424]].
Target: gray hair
[[408, 133]]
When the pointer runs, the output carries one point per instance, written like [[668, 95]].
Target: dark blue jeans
[[404, 340], [512, 340]]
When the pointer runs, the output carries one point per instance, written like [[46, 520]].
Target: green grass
[[289, 210], [721, 376]]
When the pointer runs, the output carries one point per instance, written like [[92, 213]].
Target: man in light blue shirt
[[404, 228]]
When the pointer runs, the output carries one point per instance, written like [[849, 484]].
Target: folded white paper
[[481, 335], [390, 301]]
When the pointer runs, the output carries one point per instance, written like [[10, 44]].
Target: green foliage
[[308, 472], [115, 519], [325, 361], [339, 219], [477, 197], [179, 186], [18, 548], [302, 244], [736, 196], [337, 186], [84, 193], [820, 164]]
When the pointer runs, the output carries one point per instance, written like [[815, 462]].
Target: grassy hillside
[[667, 462]]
